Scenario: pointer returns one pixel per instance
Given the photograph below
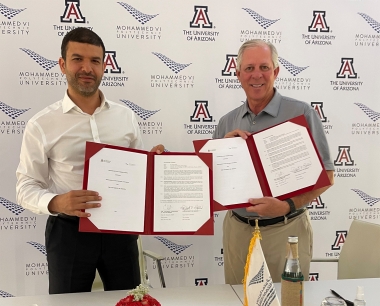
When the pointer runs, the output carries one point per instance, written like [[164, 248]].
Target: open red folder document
[[281, 161], [148, 193]]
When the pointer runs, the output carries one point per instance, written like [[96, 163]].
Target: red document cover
[[322, 181], [86, 225]]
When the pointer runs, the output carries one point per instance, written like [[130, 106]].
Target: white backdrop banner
[[173, 63]]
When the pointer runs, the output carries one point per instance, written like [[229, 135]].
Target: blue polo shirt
[[278, 110]]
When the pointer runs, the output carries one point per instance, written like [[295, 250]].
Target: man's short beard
[[83, 91]]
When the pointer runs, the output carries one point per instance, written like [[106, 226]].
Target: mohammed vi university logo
[[230, 67], [111, 64], [318, 107], [319, 22], [344, 157], [72, 12], [5, 294], [201, 112], [340, 238], [40, 247], [201, 18], [9, 12], [347, 69], [12, 207]]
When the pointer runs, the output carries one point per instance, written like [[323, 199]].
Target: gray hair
[[257, 43]]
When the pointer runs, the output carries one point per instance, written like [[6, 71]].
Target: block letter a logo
[[72, 12], [200, 18]]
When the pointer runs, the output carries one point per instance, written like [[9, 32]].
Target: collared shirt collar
[[68, 104], [272, 108]]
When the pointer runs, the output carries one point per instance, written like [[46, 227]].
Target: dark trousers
[[73, 258]]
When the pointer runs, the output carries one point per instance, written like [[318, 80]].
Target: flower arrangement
[[138, 297]]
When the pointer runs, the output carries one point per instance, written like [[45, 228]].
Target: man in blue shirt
[[257, 69]]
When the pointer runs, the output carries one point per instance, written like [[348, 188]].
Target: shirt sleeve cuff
[[44, 202]]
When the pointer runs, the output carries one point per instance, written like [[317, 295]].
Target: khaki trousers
[[237, 235]]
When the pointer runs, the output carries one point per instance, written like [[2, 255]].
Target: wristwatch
[[291, 205]]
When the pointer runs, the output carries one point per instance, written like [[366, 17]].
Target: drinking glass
[[333, 301]]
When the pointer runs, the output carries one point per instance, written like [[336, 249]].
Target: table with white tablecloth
[[216, 295], [316, 291]]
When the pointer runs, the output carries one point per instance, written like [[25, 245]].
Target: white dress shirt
[[53, 147]]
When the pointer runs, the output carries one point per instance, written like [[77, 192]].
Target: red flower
[[146, 301]]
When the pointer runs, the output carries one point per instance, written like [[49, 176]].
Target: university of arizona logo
[[229, 79], [319, 22], [345, 166], [344, 157], [317, 210], [230, 66], [175, 248], [12, 112], [340, 238], [294, 70], [202, 22], [40, 60], [201, 112], [318, 107], [366, 198], [5, 294], [201, 281], [263, 22], [172, 65], [139, 16], [142, 113], [374, 116], [40, 247], [313, 277], [372, 22], [8, 12], [12, 207], [72, 12], [316, 204], [200, 18], [111, 63], [113, 68], [347, 69]]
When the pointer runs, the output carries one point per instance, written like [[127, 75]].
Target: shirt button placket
[[94, 129]]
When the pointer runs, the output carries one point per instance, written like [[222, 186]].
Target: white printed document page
[[288, 157], [181, 193], [120, 178], [234, 175]]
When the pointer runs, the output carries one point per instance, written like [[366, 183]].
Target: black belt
[[63, 216], [266, 222]]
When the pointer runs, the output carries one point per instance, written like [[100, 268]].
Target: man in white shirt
[[50, 173]]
